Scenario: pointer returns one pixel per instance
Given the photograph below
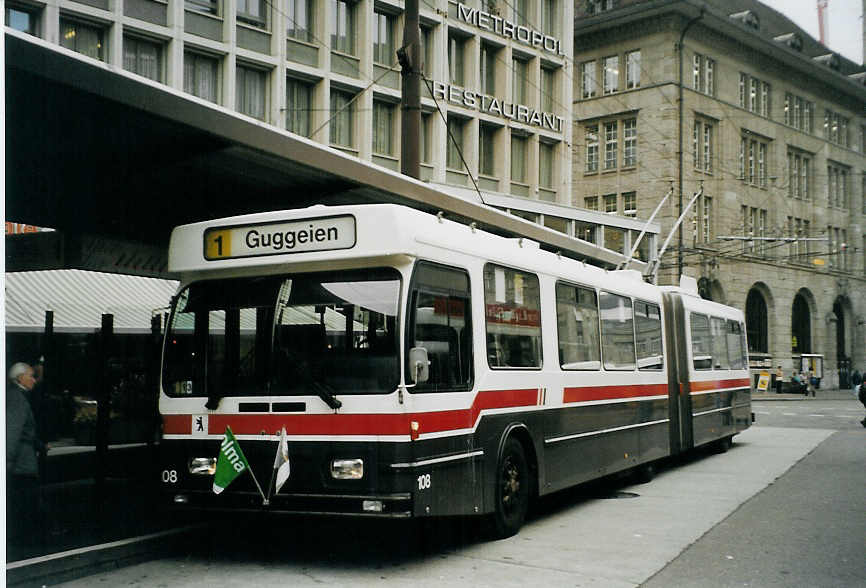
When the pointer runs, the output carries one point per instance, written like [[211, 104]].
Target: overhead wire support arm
[[652, 270], [624, 264]]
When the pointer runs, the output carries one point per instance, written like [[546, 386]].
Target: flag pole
[[274, 470], [265, 501]]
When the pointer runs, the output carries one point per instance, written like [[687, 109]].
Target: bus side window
[[617, 331], [441, 323], [702, 356], [512, 308], [577, 324], [718, 337], [736, 345], [648, 335]]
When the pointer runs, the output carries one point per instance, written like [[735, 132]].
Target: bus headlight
[[202, 466], [347, 469]]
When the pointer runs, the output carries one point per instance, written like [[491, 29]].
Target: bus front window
[[286, 335]]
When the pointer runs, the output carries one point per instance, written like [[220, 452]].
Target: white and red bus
[[421, 367]]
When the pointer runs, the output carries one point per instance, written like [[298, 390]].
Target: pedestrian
[[23, 505], [861, 395], [780, 376], [813, 382], [856, 380]]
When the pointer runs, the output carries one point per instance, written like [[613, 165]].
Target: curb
[[85, 561]]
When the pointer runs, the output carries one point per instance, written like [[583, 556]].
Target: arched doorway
[[801, 325], [756, 321], [843, 361]]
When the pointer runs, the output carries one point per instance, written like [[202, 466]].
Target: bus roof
[[322, 235]]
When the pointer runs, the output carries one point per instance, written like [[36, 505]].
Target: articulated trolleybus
[[420, 367]]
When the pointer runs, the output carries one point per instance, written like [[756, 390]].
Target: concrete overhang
[[94, 149]]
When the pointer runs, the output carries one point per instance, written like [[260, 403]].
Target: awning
[[79, 299]]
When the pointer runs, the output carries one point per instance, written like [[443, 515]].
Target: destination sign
[[320, 234]]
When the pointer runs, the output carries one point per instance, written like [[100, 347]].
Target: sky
[[846, 24]]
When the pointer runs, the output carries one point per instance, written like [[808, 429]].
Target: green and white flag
[[231, 462]]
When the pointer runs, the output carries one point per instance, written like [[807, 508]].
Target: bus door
[[439, 320], [679, 391]]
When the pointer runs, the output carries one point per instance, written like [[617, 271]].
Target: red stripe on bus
[[356, 424], [717, 384], [588, 393], [177, 424]]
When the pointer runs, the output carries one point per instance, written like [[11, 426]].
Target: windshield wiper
[[326, 393]]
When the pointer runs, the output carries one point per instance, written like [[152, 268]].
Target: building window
[[342, 119], [546, 156], [299, 20], [703, 74], [709, 76], [611, 74], [610, 203], [383, 39], [548, 90], [200, 76], [587, 79], [488, 69], [629, 151], [21, 19], [592, 148], [454, 159], [343, 26], [799, 174], [629, 204], [550, 17], [82, 38], [250, 92], [486, 150], [455, 59], [299, 100], [696, 72], [632, 70], [765, 99], [143, 58], [205, 6], [520, 12], [590, 202], [837, 186], [426, 50], [518, 86], [518, 158], [755, 95], [383, 128], [426, 138], [703, 146], [754, 150], [610, 145], [252, 12], [599, 6]]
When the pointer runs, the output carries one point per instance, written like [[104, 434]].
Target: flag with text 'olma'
[[231, 462]]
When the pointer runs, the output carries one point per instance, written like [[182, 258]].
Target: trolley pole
[[410, 103]]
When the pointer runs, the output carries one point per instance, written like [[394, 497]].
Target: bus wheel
[[722, 445], [512, 489]]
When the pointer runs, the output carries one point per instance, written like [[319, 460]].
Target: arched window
[[801, 326], [756, 321]]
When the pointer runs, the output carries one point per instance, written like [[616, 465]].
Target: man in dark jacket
[[22, 461]]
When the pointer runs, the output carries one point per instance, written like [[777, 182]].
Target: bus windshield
[[285, 335]]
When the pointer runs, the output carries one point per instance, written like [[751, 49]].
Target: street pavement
[[610, 535]]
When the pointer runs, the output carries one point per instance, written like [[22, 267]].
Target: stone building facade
[[770, 132]]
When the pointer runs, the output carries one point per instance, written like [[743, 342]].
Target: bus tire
[[722, 445], [512, 489]]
